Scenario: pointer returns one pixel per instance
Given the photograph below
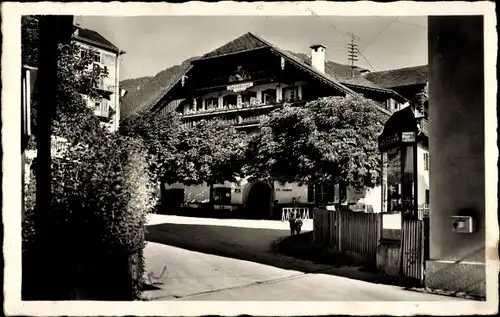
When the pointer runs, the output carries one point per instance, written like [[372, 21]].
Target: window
[[222, 195], [321, 193], [269, 96], [229, 101], [249, 97], [392, 178], [291, 93], [426, 161], [211, 103], [199, 104], [96, 57], [391, 104]]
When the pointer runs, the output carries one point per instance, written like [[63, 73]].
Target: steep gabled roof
[[94, 38], [249, 42], [394, 78], [246, 42], [336, 75]]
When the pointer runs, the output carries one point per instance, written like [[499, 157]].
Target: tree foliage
[[331, 140], [210, 151]]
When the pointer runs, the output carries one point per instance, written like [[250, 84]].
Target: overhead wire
[[378, 34], [366, 59]]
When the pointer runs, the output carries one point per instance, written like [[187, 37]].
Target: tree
[[330, 140], [209, 151]]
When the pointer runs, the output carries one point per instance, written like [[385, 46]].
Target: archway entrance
[[259, 200]]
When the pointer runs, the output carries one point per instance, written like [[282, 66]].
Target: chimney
[[318, 57], [77, 24], [77, 20]]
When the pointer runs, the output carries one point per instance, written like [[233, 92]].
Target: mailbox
[[462, 224]]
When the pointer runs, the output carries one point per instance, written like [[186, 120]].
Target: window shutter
[[330, 193], [310, 193], [318, 193]]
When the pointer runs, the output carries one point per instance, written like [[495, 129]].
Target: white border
[[12, 170]]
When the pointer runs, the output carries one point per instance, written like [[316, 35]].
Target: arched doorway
[[259, 200]]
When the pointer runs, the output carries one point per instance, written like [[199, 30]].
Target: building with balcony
[[106, 67], [242, 82]]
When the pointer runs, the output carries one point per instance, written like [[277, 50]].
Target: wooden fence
[[348, 231]]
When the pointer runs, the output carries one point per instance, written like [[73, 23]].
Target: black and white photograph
[[317, 158]]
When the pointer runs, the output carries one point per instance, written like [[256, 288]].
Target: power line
[[366, 59], [378, 34], [407, 23], [411, 24]]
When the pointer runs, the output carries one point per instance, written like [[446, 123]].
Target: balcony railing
[[102, 112], [104, 84], [234, 109]]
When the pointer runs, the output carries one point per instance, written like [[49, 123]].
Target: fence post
[[380, 226], [315, 227], [339, 230]]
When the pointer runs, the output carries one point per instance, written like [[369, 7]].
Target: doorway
[[259, 200]]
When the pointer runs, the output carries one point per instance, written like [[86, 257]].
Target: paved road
[[192, 275]]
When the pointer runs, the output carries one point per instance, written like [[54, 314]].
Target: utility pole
[[352, 53]]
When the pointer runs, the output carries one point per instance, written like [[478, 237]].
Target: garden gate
[[415, 250]]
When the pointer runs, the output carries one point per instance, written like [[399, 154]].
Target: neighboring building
[[409, 82], [245, 79], [106, 61]]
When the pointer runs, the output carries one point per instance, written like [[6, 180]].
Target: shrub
[[102, 195]]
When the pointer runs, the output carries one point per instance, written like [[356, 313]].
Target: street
[[246, 268]]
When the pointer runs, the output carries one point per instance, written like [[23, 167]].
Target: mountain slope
[[145, 91]]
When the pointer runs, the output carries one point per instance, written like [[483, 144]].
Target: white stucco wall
[[239, 192], [423, 175], [201, 193], [284, 193], [371, 197]]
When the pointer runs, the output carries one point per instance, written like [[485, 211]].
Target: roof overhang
[[100, 45], [228, 54]]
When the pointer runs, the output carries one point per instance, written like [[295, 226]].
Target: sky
[[154, 43]]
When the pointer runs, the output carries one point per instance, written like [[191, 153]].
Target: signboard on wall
[[239, 87], [408, 137]]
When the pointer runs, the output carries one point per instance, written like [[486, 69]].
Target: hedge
[[102, 195]]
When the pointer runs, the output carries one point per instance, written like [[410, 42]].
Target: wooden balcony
[[200, 114]]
